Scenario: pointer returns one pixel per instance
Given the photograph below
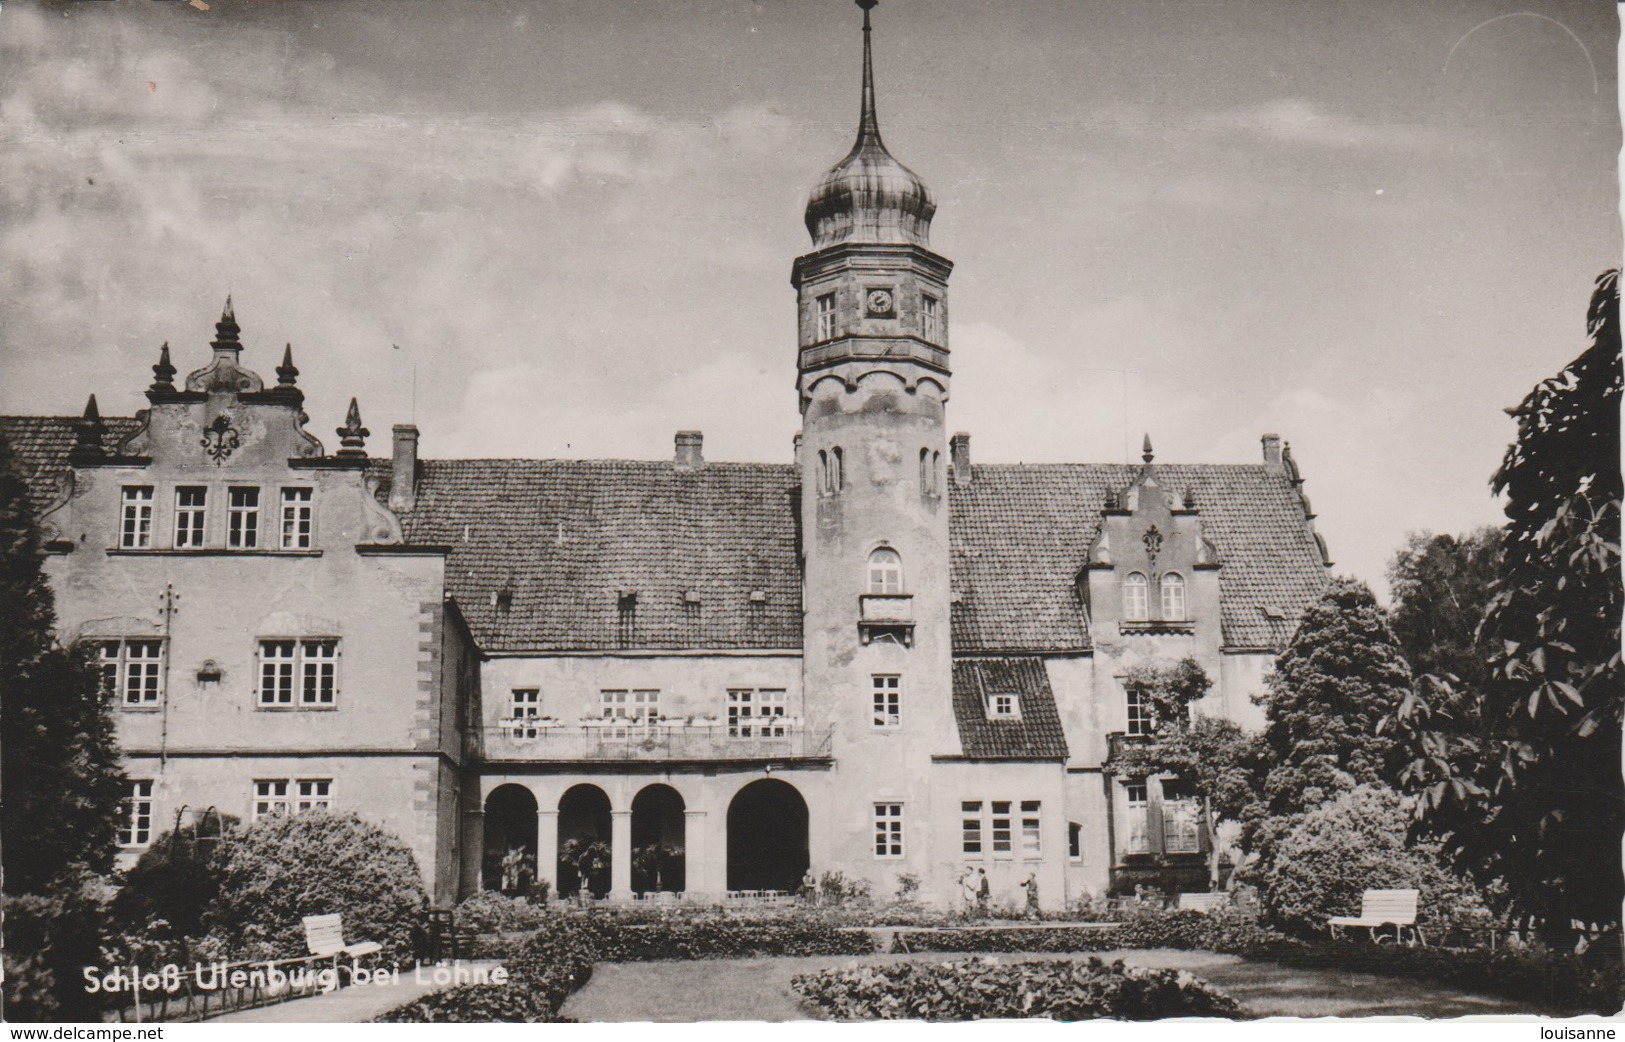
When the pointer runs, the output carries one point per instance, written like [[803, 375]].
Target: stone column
[[547, 848], [697, 870], [620, 862]]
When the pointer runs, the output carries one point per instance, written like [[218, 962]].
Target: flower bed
[[981, 989]]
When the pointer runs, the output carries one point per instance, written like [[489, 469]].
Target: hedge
[[549, 967], [980, 989]]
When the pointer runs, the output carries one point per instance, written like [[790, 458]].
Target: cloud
[[1299, 121]]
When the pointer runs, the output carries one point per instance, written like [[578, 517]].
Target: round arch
[[659, 862], [767, 837], [508, 863], [584, 841]]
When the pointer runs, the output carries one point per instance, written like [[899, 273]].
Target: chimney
[[959, 455], [688, 455], [1272, 451], [403, 492]]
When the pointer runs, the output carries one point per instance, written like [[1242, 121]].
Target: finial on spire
[[287, 372], [1145, 450], [868, 124], [226, 330], [163, 374], [352, 436]]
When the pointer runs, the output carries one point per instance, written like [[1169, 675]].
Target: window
[[243, 518], [756, 712], [296, 518], [1173, 597], [930, 318], [1031, 834], [270, 798], [1001, 827], [1140, 720], [638, 707], [190, 510], [885, 571], [132, 671], [524, 707], [136, 828], [299, 674], [888, 699], [136, 530], [1074, 841], [888, 830], [1003, 705], [1134, 597], [970, 826], [1181, 833], [313, 794], [826, 316], [837, 470], [1137, 838]]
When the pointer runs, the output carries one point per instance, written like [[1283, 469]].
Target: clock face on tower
[[880, 302]]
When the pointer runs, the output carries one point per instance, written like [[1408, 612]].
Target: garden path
[[759, 989]]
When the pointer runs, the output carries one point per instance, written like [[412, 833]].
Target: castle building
[[689, 677]]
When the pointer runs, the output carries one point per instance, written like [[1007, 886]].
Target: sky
[[565, 228]]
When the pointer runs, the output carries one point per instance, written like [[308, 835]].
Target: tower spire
[[868, 124]]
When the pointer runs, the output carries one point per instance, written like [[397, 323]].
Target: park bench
[[1380, 908], [324, 936], [1203, 902]]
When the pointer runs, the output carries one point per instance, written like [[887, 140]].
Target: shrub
[[282, 869], [1326, 858], [491, 912], [834, 888], [722, 937], [173, 884], [981, 989], [49, 937], [552, 964]]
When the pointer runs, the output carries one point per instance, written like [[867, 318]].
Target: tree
[[60, 773], [1522, 782], [1441, 586], [1342, 673], [1212, 756]]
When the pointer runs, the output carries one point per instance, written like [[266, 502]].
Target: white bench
[[1380, 908], [324, 936], [1203, 902]]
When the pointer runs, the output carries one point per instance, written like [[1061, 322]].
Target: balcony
[[886, 615], [1120, 746], [769, 740]]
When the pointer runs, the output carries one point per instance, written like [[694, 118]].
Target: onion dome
[[869, 196]]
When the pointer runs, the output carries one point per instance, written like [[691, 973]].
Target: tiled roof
[[1020, 533], [544, 550], [1036, 735], [710, 554], [42, 444]]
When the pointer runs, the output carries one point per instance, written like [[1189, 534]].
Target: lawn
[[759, 989]]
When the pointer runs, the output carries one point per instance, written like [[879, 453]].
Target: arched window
[[885, 571], [837, 469], [1135, 607], [1173, 597], [823, 473]]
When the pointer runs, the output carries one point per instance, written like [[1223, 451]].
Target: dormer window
[[1004, 705], [1135, 601], [885, 571], [1173, 597], [826, 316]]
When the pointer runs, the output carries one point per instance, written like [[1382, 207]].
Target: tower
[[873, 380]]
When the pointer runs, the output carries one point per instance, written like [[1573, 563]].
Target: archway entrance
[[584, 841], [767, 837], [509, 862], [658, 861]]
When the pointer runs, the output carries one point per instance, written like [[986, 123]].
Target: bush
[[548, 968], [491, 912], [1326, 858], [282, 869], [982, 989], [167, 892], [1228, 932], [48, 939], [722, 937], [835, 889]]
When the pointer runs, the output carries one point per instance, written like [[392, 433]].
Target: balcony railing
[[768, 739], [1119, 745], [886, 614]]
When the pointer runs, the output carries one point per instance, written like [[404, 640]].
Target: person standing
[[809, 887], [1031, 886], [967, 892], [984, 891]]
